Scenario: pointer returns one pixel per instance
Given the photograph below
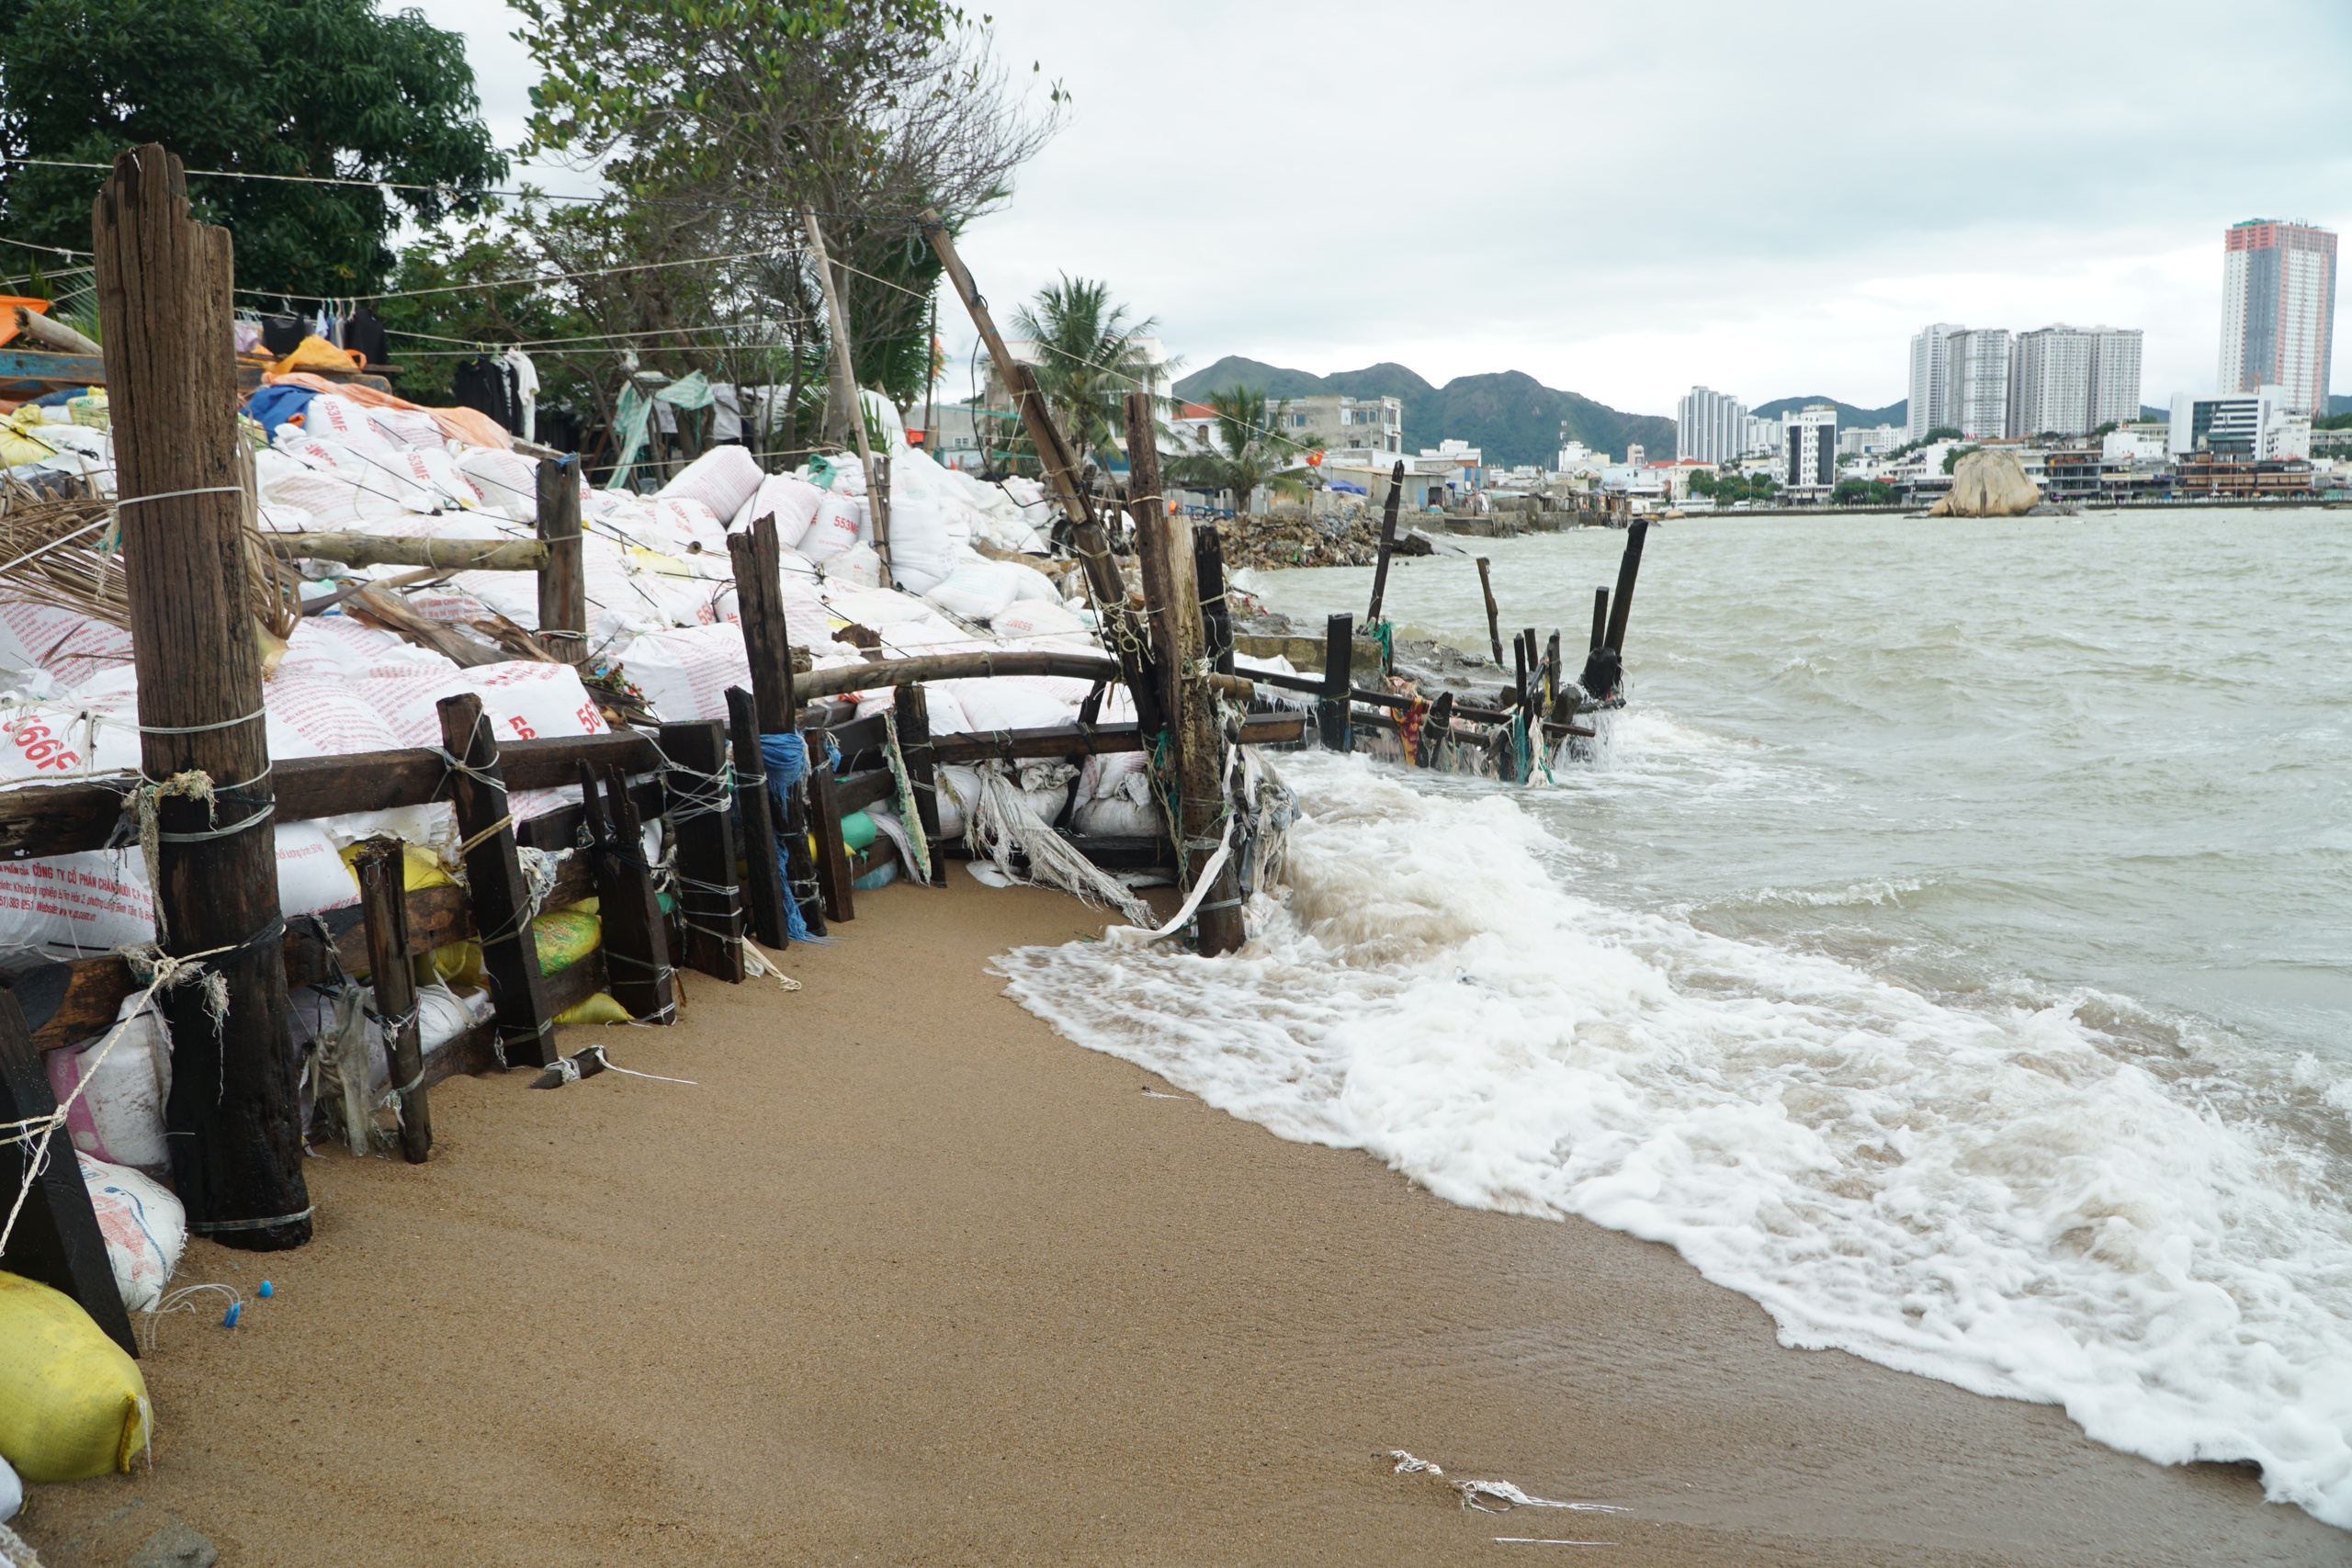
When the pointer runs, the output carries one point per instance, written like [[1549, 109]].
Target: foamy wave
[[1876, 893], [2015, 1200]]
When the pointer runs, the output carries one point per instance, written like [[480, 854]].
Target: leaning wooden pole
[[1180, 636], [1387, 542], [1629, 567], [1493, 614], [844, 386], [1105, 581], [164, 289]]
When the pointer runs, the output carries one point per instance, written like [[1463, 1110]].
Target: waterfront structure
[[2264, 426], [1710, 427], [1809, 447], [1930, 378], [1336, 423], [1871, 441], [2278, 310], [1976, 385]]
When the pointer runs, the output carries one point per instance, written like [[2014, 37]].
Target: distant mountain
[[1512, 417], [2148, 413], [1848, 416]]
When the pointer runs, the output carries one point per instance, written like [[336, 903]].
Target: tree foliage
[[1253, 454], [315, 88], [1725, 488], [721, 120], [1088, 355]]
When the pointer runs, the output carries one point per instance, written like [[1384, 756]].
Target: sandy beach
[[905, 1278]]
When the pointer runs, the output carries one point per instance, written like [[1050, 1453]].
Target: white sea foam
[[2053, 1202]]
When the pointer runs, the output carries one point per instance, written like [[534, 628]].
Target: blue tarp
[[1344, 487]]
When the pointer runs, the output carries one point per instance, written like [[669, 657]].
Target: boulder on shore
[[1988, 483]]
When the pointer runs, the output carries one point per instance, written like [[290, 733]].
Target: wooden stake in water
[[1387, 542], [1494, 616]]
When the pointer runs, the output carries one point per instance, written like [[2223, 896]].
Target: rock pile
[[1288, 539]]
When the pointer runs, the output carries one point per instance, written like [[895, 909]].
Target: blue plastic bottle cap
[[230, 1321], [264, 1292]]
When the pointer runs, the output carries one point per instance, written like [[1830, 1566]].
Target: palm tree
[[1255, 453], [1087, 360]]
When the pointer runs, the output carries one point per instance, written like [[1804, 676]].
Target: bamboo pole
[[446, 554], [164, 290]]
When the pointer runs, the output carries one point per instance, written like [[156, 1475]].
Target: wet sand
[[908, 1279]]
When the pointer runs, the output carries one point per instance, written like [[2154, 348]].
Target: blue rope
[[786, 759]]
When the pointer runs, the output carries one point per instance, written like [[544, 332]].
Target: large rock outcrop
[[1989, 482]]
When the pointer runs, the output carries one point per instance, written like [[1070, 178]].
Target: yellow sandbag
[[601, 1008], [72, 1404], [565, 937], [420, 867], [460, 966], [316, 353], [591, 905], [21, 439]]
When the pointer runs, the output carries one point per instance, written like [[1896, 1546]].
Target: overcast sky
[[1624, 199]]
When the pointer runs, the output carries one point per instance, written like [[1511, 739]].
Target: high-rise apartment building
[[1930, 372], [1809, 446], [2278, 309], [1977, 383], [1710, 426], [2050, 383], [2115, 375]]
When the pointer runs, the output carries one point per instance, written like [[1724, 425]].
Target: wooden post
[[913, 718], [1171, 592], [878, 506], [1628, 568], [496, 887], [833, 855], [1387, 542], [1599, 619], [1555, 682], [759, 598], [563, 582], [1103, 579], [164, 289], [844, 385], [1494, 616], [56, 1239], [1511, 771], [383, 901], [701, 812], [1208, 553], [635, 939], [764, 874], [1332, 710]]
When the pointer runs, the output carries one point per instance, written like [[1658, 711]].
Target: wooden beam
[[1334, 711], [382, 869], [163, 286], [56, 1239], [636, 939], [976, 666], [502, 903], [765, 886], [1081, 740], [701, 809], [447, 554], [832, 856]]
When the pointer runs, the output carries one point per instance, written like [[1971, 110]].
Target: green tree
[[1952, 457], [1254, 455], [301, 88], [1088, 357], [1864, 493]]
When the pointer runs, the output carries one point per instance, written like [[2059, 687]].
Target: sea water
[[1950, 947]]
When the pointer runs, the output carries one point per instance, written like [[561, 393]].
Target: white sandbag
[[118, 1115], [1037, 618], [684, 672], [839, 524], [959, 789], [978, 589], [722, 479], [434, 472], [12, 1492], [790, 500], [1013, 702], [1118, 817], [922, 553], [410, 428], [858, 565], [144, 1226], [880, 410], [98, 899], [524, 701], [330, 417], [377, 471], [507, 479], [689, 527]]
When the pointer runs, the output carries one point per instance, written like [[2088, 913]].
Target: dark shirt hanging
[[488, 384], [283, 334], [364, 332]]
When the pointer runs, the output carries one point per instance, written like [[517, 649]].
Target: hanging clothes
[[726, 414], [527, 391], [365, 332], [282, 335], [488, 385]]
